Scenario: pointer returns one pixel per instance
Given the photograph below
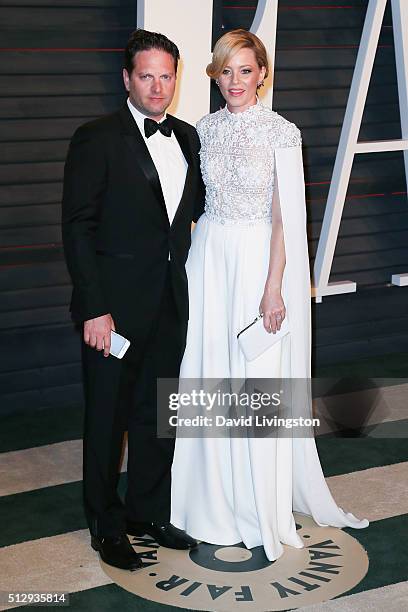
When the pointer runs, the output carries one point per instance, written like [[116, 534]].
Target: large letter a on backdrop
[[348, 145]]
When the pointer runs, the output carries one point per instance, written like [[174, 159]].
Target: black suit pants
[[121, 395]]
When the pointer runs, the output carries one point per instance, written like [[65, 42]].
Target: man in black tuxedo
[[132, 187]]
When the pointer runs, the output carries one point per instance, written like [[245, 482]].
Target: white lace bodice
[[237, 161]]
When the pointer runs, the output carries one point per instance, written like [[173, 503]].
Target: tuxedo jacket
[[116, 233]]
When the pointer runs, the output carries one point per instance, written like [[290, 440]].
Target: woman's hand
[[273, 309]]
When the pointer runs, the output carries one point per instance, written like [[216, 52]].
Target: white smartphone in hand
[[119, 345]]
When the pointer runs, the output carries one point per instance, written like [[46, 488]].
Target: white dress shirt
[[169, 160]]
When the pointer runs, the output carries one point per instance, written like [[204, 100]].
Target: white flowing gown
[[231, 490]]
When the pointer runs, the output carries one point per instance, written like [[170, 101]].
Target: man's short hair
[[143, 40]]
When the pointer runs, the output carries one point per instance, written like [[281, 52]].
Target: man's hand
[[97, 333]]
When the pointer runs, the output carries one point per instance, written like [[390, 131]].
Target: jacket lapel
[[186, 149], [134, 140]]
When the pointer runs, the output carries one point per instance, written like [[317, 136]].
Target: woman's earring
[[216, 82], [261, 84]]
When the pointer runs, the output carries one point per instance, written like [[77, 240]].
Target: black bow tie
[[151, 127]]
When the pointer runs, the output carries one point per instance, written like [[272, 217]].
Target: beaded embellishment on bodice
[[238, 164]]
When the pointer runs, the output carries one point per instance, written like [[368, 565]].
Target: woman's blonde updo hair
[[229, 44]]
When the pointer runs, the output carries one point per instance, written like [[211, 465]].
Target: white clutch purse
[[255, 340]]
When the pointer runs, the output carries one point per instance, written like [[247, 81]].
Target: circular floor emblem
[[217, 578]]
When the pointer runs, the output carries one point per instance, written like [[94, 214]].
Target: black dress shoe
[[117, 552], [164, 534]]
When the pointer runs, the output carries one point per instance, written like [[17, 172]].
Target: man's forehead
[[154, 59]]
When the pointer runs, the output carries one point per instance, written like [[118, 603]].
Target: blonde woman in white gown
[[249, 254]]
